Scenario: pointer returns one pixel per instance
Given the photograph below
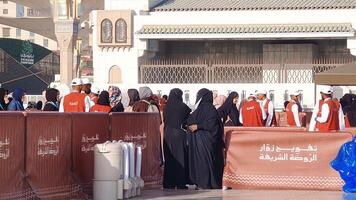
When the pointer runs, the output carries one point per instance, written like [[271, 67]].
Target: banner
[[87, 131], [48, 155], [283, 160], [12, 158], [143, 129]]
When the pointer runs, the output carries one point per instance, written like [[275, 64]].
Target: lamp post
[[65, 15]]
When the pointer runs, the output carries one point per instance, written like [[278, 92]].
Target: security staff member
[[75, 101], [293, 110], [86, 86], [327, 115], [267, 106], [252, 114]]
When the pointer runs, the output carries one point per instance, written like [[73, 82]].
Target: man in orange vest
[[94, 95], [267, 106], [252, 114], [75, 101], [293, 110], [327, 115], [86, 86]]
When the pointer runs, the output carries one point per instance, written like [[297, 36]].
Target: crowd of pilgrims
[[193, 145]]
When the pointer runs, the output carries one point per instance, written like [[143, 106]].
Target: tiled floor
[[158, 194]]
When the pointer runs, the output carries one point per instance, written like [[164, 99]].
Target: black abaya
[[175, 115], [205, 146], [229, 110]]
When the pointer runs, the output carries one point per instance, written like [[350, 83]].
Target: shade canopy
[[44, 6], [41, 26], [344, 75]]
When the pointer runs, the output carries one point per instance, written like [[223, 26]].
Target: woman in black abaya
[[175, 115], [205, 143], [228, 111]]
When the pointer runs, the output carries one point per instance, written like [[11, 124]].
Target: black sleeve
[[118, 108], [49, 107], [234, 116]]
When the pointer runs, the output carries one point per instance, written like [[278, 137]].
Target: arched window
[[115, 75], [121, 31], [106, 31]]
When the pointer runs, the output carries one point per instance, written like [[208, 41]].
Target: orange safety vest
[[74, 102], [290, 116], [100, 108], [332, 122], [274, 120], [252, 114]]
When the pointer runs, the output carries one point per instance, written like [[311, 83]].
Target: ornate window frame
[[104, 31], [121, 31]]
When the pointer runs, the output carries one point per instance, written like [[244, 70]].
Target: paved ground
[[159, 194]]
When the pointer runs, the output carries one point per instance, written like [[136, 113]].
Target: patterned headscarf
[[145, 92], [115, 98]]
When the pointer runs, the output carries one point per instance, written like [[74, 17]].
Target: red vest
[[95, 100], [265, 107], [290, 116], [74, 102], [100, 108], [252, 114], [332, 122]]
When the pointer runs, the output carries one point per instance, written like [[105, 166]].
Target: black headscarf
[[175, 112], [205, 95], [134, 96], [104, 99], [51, 100], [51, 95], [39, 105], [205, 145], [230, 109], [3, 92]]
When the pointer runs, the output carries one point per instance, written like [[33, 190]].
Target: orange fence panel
[[88, 129], [142, 129], [283, 160], [12, 157], [48, 156]]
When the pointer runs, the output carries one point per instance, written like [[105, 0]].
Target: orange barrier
[[48, 156], [12, 158], [143, 129], [87, 131], [283, 160], [59, 144]]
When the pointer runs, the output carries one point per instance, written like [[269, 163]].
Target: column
[[66, 33]]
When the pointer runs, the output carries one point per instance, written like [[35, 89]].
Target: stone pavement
[[159, 194]]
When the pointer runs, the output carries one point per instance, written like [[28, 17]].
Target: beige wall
[[25, 35]]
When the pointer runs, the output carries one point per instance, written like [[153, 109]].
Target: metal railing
[[194, 71]]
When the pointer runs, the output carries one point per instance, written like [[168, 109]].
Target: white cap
[[251, 94], [261, 92], [76, 82], [326, 90], [295, 93], [95, 90], [86, 81]]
